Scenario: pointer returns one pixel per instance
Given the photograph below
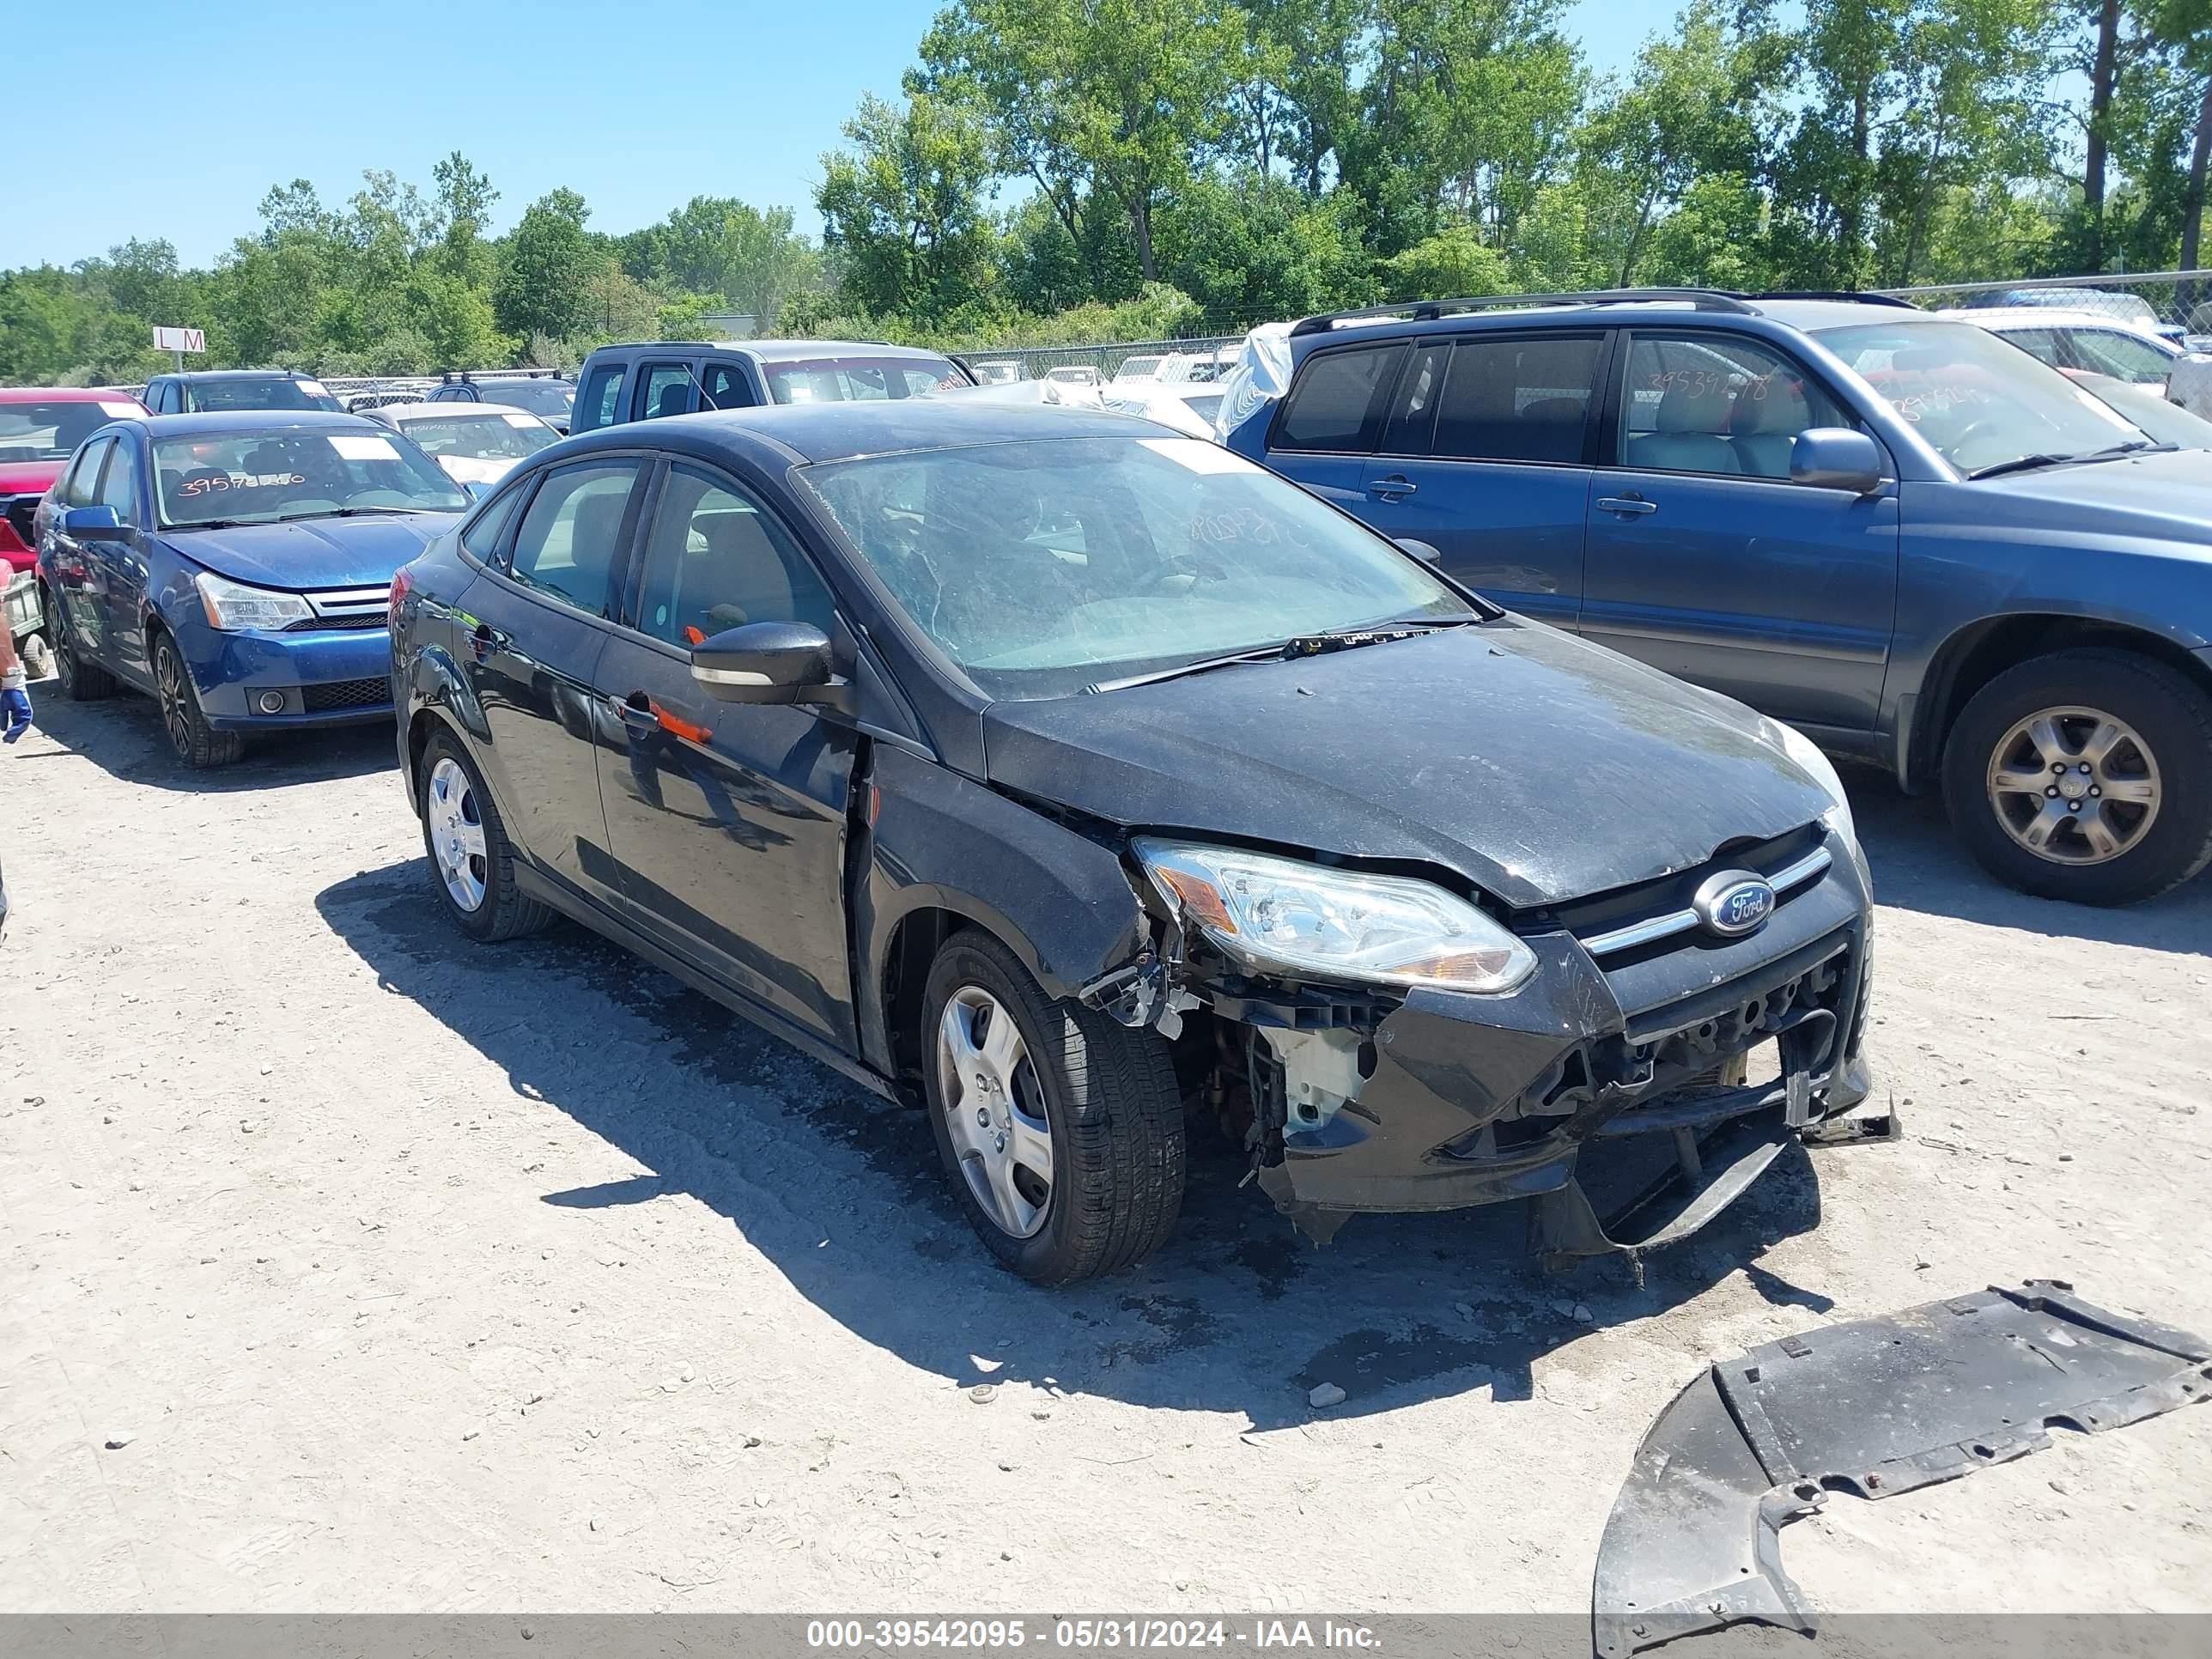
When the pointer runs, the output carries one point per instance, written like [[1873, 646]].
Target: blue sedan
[[237, 568]]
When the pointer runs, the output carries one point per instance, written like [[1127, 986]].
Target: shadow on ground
[[843, 1193], [1919, 865], [123, 734]]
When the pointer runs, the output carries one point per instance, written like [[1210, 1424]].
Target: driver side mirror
[[767, 662], [1425, 551], [94, 523], [475, 489], [1836, 458]]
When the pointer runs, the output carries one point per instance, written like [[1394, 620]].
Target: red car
[[41, 428]]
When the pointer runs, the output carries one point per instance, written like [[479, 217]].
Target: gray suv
[[1899, 533]]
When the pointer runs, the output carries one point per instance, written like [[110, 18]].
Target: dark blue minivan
[[1900, 534]]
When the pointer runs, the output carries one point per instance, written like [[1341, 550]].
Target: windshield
[[259, 477], [51, 432], [554, 398], [483, 434], [1980, 401], [1045, 566], [843, 380], [275, 392]]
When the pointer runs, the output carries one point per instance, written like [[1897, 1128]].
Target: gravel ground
[[345, 1266]]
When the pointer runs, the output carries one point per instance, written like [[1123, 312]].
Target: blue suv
[[1895, 532]]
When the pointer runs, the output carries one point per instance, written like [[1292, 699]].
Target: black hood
[[1538, 766]]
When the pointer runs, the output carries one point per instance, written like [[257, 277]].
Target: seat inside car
[[1687, 430], [1764, 423]]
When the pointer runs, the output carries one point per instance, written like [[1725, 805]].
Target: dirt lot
[[416, 1276]]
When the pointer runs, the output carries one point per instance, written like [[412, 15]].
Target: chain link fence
[[2173, 302]]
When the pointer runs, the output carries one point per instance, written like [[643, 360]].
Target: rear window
[[860, 380], [1335, 398], [277, 392], [51, 432]]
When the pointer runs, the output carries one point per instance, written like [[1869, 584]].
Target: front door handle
[[1629, 507], [641, 714], [1395, 488]]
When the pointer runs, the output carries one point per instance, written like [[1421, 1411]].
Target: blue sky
[[159, 120]]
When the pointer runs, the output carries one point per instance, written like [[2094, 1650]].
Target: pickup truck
[[643, 382]]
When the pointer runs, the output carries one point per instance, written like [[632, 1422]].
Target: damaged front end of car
[[1381, 1043]]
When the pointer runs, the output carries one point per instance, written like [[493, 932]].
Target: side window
[[595, 403], [1413, 410], [118, 481], [2108, 351], [481, 536], [716, 561], [664, 389], [1334, 406], [81, 488], [1718, 404], [1524, 399], [2038, 342], [726, 388], [566, 544]]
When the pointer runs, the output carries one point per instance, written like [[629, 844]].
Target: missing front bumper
[[1874, 1407]]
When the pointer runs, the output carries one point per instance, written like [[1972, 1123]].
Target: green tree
[[902, 208], [548, 261]]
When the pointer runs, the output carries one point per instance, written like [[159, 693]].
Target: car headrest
[[1695, 403], [1774, 405], [673, 400]]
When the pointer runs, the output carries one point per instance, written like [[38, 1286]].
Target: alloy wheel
[[2074, 786], [456, 834], [995, 1107], [175, 699]]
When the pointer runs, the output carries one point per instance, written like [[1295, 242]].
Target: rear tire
[[196, 743], [1101, 1096], [471, 859], [2100, 757], [78, 680]]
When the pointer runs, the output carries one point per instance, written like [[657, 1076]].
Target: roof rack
[[1427, 310], [1855, 295]]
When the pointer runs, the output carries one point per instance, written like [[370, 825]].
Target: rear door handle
[[1395, 488], [1629, 507], [486, 640]]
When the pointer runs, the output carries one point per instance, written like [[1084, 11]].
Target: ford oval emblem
[[1733, 904]]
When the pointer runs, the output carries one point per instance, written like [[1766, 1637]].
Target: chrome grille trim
[[1666, 925], [350, 601]]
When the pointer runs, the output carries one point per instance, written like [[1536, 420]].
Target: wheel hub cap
[[456, 834], [2074, 786], [994, 1109]]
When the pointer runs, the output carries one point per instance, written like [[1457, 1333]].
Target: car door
[[1484, 456], [123, 564], [534, 627], [78, 575], [1705, 560], [1326, 430], [728, 820]]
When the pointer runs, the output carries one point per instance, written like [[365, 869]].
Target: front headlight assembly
[[233, 606], [1280, 915]]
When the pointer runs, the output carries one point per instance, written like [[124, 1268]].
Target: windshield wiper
[[341, 513], [2116, 452], [1298, 645]]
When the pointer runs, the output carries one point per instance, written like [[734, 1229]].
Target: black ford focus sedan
[[1076, 780]]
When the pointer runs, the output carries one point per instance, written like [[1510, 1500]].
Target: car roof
[[235, 375], [780, 351], [444, 410], [1698, 307], [62, 394], [216, 421], [812, 433], [2047, 316]]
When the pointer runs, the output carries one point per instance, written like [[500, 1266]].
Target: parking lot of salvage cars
[[348, 1266]]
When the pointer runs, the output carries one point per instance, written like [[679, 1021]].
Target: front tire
[[2085, 775], [196, 744], [471, 859], [1060, 1128]]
